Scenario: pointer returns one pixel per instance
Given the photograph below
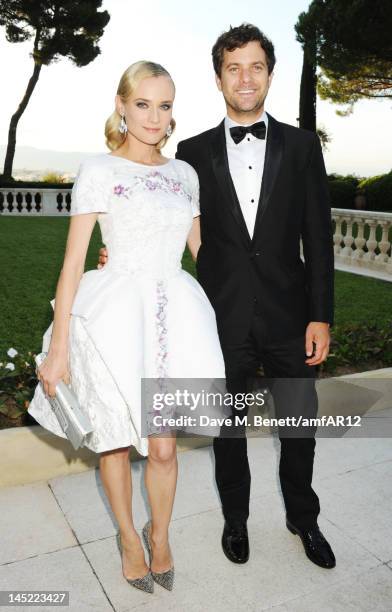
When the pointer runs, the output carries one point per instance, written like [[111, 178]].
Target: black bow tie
[[239, 131]]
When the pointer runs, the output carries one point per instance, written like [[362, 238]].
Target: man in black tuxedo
[[263, 186]]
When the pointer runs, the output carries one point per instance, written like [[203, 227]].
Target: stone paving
[[60, 535]]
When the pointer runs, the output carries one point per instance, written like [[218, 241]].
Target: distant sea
[[30, 162]]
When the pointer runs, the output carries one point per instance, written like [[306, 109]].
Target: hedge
[[342, 190], [378, 192], [33, 185]]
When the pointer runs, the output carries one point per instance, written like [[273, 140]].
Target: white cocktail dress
[[141, 315]]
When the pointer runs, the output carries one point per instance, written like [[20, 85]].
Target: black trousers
[[281, 362]]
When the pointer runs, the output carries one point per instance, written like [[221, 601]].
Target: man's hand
[[318, 333], [103, 257]]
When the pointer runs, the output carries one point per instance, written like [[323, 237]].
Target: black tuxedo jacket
[[265, 274]]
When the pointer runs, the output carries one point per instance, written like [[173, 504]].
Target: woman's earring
[[169, 131], [122, 128]]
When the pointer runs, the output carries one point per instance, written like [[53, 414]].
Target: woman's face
[[149, 109]]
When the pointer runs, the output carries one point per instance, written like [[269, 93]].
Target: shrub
[[359, 347], [17, 383], [53, 177], [342, 190], [378, 191]]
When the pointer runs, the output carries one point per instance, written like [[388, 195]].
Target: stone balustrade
[[362, 238], [35, 201]]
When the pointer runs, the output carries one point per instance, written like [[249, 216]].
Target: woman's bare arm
[[194, 238], [55, 366]]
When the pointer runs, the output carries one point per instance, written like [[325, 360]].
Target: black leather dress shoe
[[235, 542], [316, 546]]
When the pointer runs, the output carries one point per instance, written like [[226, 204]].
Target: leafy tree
[[307, 35], [355, 51], [350, 42], [59, 28], [369, 81], [325, 137]]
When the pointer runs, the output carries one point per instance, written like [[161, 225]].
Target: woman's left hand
[[53, 369]]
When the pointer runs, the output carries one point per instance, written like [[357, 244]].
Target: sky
[[69, 106]]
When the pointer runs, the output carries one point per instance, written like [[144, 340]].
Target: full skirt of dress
[[125, 327]]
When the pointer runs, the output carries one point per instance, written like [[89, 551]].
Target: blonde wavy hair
[[129, 81]]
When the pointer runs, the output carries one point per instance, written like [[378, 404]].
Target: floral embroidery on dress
[[154, 181], [120, 190], [161, 356], [161, 329]]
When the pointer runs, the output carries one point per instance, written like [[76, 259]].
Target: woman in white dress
[[141, 316]]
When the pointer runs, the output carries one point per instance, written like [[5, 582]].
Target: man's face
[[244, 79]]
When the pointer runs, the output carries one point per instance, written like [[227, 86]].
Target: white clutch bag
[[66, 408]]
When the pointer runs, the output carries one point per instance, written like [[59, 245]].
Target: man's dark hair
[[238, 37]]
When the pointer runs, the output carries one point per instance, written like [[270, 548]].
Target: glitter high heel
[[165, 579], [145, 583]]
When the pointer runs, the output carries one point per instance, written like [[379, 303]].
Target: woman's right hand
[[53, 369], [103, 257]]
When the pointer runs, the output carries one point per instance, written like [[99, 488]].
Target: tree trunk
[[9, 158], [308, 95]]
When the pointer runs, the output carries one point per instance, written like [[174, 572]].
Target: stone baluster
[[360, 240], [337, 237], [384, 243], [23, 210], [348, 239], [371, 242]]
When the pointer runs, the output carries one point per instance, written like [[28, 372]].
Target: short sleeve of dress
[[90, 189], [195, 191]]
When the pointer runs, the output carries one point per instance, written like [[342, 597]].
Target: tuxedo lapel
[[272, 162], [221, 169]]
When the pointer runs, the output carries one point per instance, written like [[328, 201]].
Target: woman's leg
[[116, 478], [161, 479]]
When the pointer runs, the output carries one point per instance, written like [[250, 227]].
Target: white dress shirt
[[246, 163]]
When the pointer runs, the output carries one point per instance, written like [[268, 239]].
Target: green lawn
[[360, 299], [32, 249]]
